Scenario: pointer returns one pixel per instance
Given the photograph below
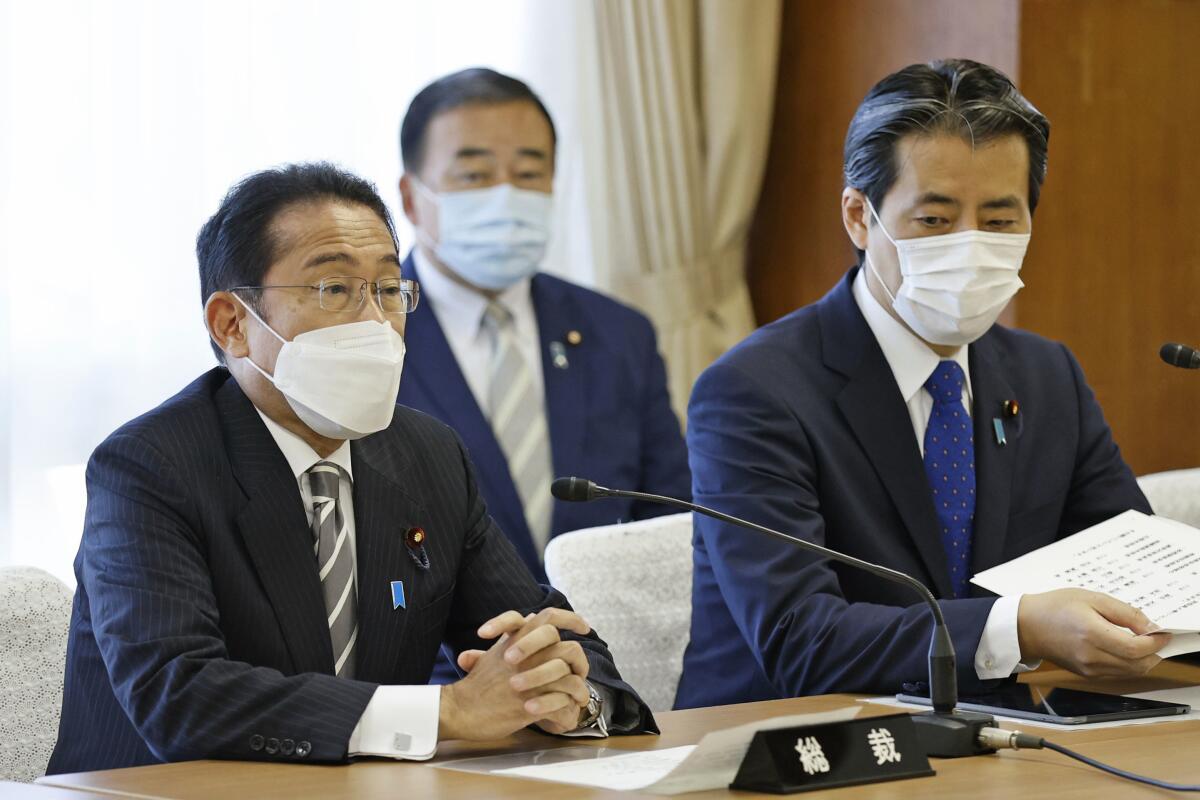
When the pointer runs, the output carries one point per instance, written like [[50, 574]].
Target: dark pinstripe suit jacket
[[198, 624]]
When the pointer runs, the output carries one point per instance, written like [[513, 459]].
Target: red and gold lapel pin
[[415, 538]]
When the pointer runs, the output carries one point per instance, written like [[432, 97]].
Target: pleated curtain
[[671, 104]]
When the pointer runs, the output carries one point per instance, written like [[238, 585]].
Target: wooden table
[[1165, 751]]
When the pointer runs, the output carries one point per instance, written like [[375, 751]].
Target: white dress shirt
[[399, 721], [459, 312], [912, 362]]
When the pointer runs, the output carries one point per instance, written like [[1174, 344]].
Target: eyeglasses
[[343, 295]]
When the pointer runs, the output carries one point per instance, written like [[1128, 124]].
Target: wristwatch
[[592, 715]]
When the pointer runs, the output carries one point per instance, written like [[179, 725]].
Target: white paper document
[[624, 772], [1152, 563], [711, 764]]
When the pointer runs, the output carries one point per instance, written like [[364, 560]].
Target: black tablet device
[[1061, 706]]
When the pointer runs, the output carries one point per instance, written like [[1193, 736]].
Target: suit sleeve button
[[272, 746], [287, 747], [256, 743], [303, 749]]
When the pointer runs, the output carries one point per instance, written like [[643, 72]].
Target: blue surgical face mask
[[491, 237]]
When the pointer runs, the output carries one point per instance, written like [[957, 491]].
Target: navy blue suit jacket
[[608, 410], [198, 627], [802, 428]]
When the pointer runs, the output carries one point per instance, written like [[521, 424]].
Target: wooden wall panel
[[1114, 263], [831, 54], [1114, 266]]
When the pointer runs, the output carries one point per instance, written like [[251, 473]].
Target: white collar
[[299, 454], [466, 305], [911, 360]]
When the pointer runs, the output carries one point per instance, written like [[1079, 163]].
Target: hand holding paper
[[1089, 633], [1151, 565]]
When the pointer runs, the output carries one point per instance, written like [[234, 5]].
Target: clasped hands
[[529, 676]]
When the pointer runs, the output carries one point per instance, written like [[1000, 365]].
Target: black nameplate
[[790, 760]]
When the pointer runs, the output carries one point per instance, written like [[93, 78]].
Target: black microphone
[[945, 732], [1180, 355]]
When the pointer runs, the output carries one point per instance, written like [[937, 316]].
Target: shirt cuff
[[999, 652], [399, 722]]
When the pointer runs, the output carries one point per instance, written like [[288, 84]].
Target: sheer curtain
[[123, 124], [125, 121], [670, 104]]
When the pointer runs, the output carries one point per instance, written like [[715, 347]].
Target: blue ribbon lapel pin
[[1010, 410], [398, 595], [558, 355]]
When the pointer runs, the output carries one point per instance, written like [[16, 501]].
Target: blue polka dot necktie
[[950, 467]]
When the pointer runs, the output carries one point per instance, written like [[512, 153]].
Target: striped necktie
[[335, 560], [517, 413]]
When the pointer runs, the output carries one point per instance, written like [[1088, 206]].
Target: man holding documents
[[895, 421], [271, 558]]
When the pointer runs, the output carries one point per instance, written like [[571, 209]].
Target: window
[[124, 123]]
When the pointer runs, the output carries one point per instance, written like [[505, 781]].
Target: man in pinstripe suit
[[271, 558]]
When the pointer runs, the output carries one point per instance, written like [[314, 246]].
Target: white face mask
[[341, 381], [491, 237], [954, 286]]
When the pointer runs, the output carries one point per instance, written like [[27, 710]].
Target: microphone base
[[954, 734]]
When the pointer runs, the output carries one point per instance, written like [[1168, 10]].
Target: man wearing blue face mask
[[539, 376], [272, 558], [895, 421]]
